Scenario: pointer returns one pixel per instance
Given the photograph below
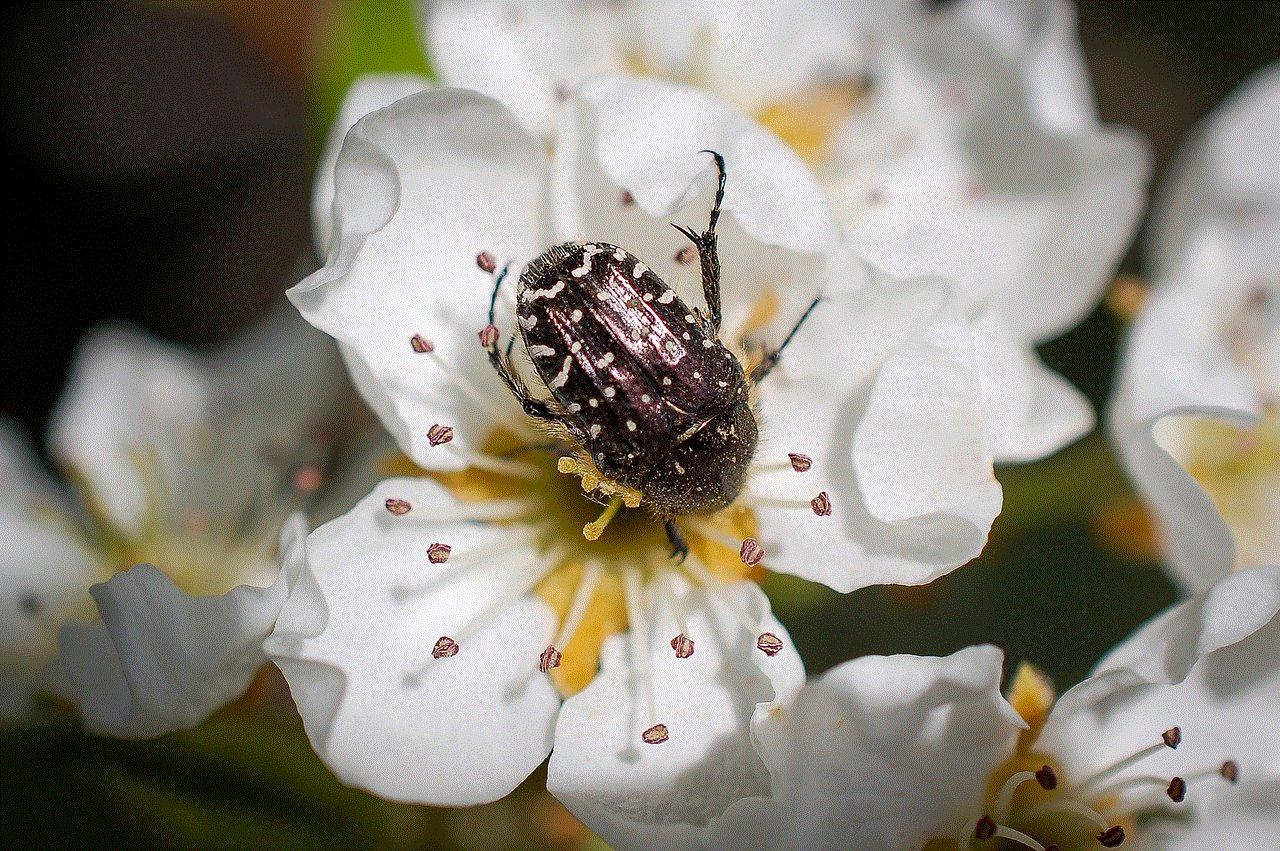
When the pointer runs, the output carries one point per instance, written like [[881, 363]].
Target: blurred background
[[160, 161]]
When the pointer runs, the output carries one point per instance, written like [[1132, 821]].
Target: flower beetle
[[638, 381]]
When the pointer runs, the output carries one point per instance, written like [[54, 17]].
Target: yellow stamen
[[595, 528]]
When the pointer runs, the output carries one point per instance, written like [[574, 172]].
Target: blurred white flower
[[184, 462], [1196, 412], [415, 658], [1168, 745], [962, 142]]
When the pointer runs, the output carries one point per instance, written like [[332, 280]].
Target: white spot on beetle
[[576, 346], [594, 431], [576, 315], [646, 398], [631, 425], [562, 377], [609, 392], [540, 351], [667, 297], [605, 360], [574, 407], [697, 375], [706, 344], [685, 335], [595, 403], [527, 322], [648, 296], [549, 293], [678, 468], [666, 380], [638, 269]]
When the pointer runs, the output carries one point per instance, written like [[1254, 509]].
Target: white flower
[[1196, 413], [415, 661], [901, 752], [962, 143], [184, 462]]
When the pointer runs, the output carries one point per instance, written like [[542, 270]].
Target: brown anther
[[1172, 737], [821, 505], [1230, 771], [683, 645], [307, 479], [627, 199], [438, 553], [549, 659], [30, 605], [751, 552], [489, 336], [445, 646], [439, 434], [1177, 790], [769, 644], [655, 735], [487, 262], [684, 256], [800, 463], [398, 507], [1112, 837], [984, 829], [1047, 778], [421, 344]]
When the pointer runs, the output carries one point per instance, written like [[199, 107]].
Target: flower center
[[1239, 465], [1030, 804], [807, 119]]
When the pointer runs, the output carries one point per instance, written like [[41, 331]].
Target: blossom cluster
[[879, 213]]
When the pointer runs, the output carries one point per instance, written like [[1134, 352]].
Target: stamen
[[501, 466], [398, 507], [1227, 771], [1065, 805], [500, 546], [489, 336], [1005, 799], [768, 643], [821, 504], [439, 434], [421, 344], [480, 400], [593, 530], [985, 827], [448, 646], [550, 658], [582, 596], [1168, 739], [682, 644], [800, 463], [1109, 790], [487, 262], [438, 553], [654, 733], [751, 552], [706, 530], [1230, 771], [1177, 790], [1047, 779], [490, 509]]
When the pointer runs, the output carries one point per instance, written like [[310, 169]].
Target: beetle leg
[[770, 359], [705, 242], [679, 544]]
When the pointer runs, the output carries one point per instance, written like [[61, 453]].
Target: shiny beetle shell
[[642, 382]]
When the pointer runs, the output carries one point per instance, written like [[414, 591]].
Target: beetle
[[637, 380]]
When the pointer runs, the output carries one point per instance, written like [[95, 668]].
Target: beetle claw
[[679, 544]]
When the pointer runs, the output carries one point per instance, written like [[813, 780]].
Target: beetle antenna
[[715, 210]]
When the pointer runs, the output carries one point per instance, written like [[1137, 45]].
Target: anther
[[684, 256], [627, 199], [821, 504], [31, 606], [439, 434], [751, 552], [683, 645], [1046, 778], [489, 336], [1112, 837], [421, 344], [487, 262], [1172, 737], [438, 553], [307, 479], [984, 829], [1177, 790], [549, 659], [800, 463], [445, 646], [655, 735], [1230, 771], [769, 644], [398, 507]]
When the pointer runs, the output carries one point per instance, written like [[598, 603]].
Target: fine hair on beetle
[[654, 408]]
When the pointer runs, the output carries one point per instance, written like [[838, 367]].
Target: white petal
[[129, 400], [883, 752], [1238, 818], [356, 647], [160, 660], [895, 427], [1030, 410], [366, 94], [422, 186], [635, 794], [527, 55]]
